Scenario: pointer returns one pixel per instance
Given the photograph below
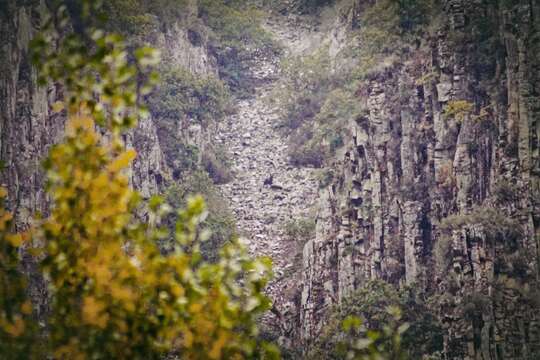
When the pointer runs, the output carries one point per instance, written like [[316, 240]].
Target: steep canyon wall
[[411, 160], [29, 126], [436, 186]]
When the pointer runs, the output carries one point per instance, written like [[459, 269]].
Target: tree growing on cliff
[[379, 322]]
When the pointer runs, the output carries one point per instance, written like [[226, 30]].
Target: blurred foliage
[[219, 220], [373, 332], [367, 344], [113, 294], [92, 66], [17, 331]]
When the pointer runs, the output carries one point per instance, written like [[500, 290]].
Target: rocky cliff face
[[412, 160], [152, 169], [29, 127]]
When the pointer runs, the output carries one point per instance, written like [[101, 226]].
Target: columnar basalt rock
[[29, 126], [408, 164]]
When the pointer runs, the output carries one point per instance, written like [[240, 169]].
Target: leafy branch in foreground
[[365, 344], [16, 328], [113, 294]]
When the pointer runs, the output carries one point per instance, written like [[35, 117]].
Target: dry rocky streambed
[[267, 191]]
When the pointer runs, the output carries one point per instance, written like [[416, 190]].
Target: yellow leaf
[[79, 122], [26, 308], [4, 218], [16, 329], [15, 239], [177, 290], [215, 352], [3, 192], [57, 106], [92, 312], [195, 308], [188, 338], [123, 160]]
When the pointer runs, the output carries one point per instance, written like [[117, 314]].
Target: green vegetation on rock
[[236, 38], [490, 223], [316, 107], [182, 95], [219, 220], [458, 110], [376, 313], [138, 17]]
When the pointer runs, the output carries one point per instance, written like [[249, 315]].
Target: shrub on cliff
[[370, 304], [458, 110], [234, 28], [17, 331], [236, 39], [378, 39], [415, 13], [219, 220], [316, 106], [306, 80], [301, 229], [304, 149], [183, 99], [182, 95], [216, 161], [323, 132], [309, 6], [137, 17], [494, 227]]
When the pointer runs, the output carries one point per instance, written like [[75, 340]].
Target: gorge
[[381, 153]]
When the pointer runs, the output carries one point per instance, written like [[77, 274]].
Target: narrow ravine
[[267, 191]]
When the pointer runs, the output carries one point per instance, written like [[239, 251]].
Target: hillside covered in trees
[[265, 179]]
